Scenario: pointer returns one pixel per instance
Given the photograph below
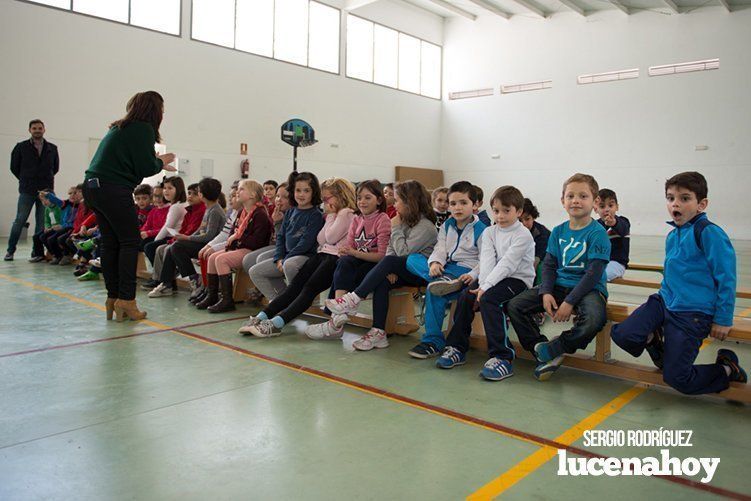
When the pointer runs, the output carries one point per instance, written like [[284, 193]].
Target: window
[[254, 27], [388, 57], [157, 15], [116, 10], [302, 32]]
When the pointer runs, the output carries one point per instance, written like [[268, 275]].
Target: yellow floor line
[[528, 465]]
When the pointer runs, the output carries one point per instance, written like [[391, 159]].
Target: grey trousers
[[269, 280], [257, 256], [159, 261]]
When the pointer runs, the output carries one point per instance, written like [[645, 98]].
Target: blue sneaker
[[423, 351], [544, 370], [729, 359], [547, 351], [451, 357], [497, 369]]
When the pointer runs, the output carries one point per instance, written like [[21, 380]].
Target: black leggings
[[313, 278], [118, 225]]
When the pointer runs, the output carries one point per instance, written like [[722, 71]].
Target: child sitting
[[142, 195], [296, 240], [453, 265], [412, 232], [619, 232], [506, 269], [696, 299], [573, 280], [176, 198], [178, 256], [269, 194], [252, 231], [440, 200], [56, 244], [540, 233], [367, 241], [317, 273], [156, 218], [388, 194], [483, 215], [52, 219]]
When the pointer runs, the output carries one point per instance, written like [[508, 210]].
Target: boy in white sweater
[[507, 259]]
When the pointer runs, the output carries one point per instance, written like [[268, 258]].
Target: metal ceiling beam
[[671, 5], [453, 8], [622, 7], [492, 8], [571, 5], [530, 7]]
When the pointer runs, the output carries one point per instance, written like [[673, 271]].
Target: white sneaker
[[324, 330], [445, 286], [162, 290], [265, 328], [96, 262], [250, 322], [375, 338], [343, 305]]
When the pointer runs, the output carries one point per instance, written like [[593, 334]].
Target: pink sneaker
[[375, 338], [325, 330], [344, 305]]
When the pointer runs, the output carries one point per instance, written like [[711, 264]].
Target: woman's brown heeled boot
[[110, 307], [128, 309]]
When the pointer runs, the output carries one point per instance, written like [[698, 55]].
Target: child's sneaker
[[656, 349], [445, 286], [84, 245], [80, 270], [250, 322], [423, 351], [265, 328], [162, 290], [451, 357], [729, 359], [325, 330], [88, 276], [374, 338], [55, 261], [65, 260], [544, 370], [547, 351], [97, 263], [36, 259], [344, 305], [497, 369]]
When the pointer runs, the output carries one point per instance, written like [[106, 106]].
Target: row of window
[[303, 32]]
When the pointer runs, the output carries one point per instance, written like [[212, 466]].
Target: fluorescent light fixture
[[467, 94], [610, 76], [525, 87], [672, 69]]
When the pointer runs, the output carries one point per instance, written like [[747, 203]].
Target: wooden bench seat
[[740, 292]]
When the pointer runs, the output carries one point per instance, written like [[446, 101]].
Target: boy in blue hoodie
[[696, 299], [55, 243], [453, 265]]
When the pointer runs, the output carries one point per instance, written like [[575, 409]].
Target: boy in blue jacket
[[696, 299]]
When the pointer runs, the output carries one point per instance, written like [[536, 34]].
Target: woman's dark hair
[[417, 199], [143, 107], [373, 186], [312, 180], [179, 184]]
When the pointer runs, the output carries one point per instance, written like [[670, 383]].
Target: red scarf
[[244, 219]]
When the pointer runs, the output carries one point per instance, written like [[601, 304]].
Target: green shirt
[[126, 156], [52, 216]]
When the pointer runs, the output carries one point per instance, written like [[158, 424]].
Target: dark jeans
[[375, 282], [55, 242], [26, 202], [143, 243], [493, 318], [118, 227], [682, 333], [149, 249], [178, 259], [350, 271], [39, 241], [313, 278], [590, 317]]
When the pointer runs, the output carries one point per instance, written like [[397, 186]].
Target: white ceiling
[[546, 8]]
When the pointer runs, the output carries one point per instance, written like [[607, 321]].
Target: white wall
[[76, 73], [631, 135]]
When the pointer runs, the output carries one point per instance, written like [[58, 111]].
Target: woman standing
[[124, 157]]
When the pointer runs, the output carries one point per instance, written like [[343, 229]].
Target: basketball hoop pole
[[294, 158]]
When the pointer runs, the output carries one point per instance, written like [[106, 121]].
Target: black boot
[[196, 294], [201, 297], [226, 302], [212, 294]]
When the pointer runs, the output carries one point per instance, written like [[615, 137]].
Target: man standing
[[34, 163]]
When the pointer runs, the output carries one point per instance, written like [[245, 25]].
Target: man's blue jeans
[[25, 203]]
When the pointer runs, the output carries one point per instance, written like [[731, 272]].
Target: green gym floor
[[182, 407]]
